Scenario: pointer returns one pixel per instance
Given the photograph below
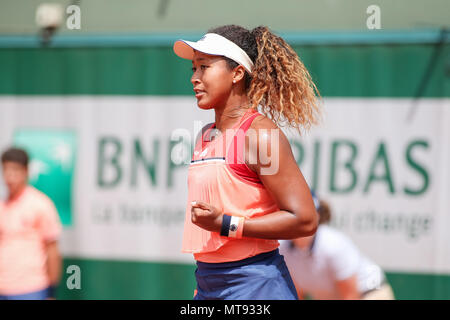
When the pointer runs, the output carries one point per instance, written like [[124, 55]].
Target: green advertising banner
[[380, 158], [52, 162]]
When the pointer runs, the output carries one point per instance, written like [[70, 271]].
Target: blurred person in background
[[328, 266], [30, 261]]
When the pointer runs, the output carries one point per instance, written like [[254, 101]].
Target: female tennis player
[[245, 188]]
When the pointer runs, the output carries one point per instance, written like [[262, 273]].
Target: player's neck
[[227, 116]]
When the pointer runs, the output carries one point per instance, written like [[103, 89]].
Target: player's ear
[[239, 74]]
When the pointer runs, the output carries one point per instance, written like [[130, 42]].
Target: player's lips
[[199, 93]]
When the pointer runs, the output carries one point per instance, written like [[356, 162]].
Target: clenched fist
[[206, 216]]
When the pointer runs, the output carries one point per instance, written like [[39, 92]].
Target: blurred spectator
[[30, 262], [329, 266]]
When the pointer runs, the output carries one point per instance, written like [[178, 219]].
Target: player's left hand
[[206, 216]]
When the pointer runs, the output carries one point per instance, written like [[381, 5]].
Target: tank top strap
[[248, 122], [235, 157]]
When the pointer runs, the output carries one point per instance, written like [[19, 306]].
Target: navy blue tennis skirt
[[262, 277]]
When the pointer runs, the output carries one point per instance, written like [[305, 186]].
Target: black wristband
[[226, 220]]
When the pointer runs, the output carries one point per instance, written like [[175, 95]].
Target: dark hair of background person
[[324, 212], [16, 155]]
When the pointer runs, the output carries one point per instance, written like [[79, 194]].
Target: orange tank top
[[218, 175]]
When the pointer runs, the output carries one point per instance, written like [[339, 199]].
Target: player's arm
[[348, 288], [275, 164], [280, 174]]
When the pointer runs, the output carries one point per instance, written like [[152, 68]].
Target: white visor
[[214, 44]]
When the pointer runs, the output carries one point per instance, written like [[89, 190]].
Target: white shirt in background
[[331, 257]]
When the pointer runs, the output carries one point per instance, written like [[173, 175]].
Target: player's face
[[212, 80], [15, 176]]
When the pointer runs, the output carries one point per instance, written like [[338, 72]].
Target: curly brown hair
[[279, 82]]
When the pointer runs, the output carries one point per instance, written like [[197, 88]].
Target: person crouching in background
[[328, 265]]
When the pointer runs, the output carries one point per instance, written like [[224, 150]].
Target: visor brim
[[185, 49]]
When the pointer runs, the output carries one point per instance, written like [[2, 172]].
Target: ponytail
[[281, 84]]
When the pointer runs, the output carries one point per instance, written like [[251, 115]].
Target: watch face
[[233, 227]]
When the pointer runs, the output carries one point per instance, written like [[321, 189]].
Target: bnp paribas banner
[[117, 168], [51, 168]]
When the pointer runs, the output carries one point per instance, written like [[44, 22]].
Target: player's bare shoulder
[[263, 122], [265, 142], [266, 131]]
